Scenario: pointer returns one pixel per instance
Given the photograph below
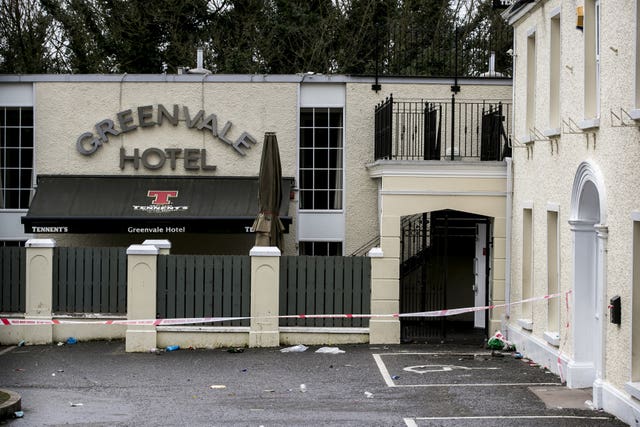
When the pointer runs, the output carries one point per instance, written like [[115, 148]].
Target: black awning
[[147, 204]]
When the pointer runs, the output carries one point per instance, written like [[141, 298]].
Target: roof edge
[[242, 78]]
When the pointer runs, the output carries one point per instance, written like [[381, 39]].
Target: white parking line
[[391, 383], [7, 350], [412, 422], [383, 370], [479, 385]]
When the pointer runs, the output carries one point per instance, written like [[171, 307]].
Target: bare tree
[[386, 37], [25, 35]]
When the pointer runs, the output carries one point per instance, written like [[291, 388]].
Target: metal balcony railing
[[442, 130]]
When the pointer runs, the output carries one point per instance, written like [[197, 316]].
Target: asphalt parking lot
[[98, 384]]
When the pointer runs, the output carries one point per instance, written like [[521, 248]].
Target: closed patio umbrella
[[267, 225]]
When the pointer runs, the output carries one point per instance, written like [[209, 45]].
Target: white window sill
[[526, 139], [635, 114], [633, 388], [588, 124], [526, 324], [552, 338], [551, 133]]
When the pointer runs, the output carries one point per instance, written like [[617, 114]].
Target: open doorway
[[444, 264]]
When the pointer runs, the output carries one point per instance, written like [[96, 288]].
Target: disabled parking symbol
[[426, 369]]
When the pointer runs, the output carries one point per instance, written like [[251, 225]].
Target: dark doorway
[[444, 265]]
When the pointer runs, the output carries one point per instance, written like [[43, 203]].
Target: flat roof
[[245, 78]]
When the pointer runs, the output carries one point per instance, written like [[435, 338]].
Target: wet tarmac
[[98, 384]]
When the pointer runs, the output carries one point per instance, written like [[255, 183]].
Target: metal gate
[[423, 275], [432, 245]]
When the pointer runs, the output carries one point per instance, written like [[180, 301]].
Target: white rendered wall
[[544, 171]]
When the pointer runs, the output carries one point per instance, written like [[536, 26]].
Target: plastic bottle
[[172, 348]]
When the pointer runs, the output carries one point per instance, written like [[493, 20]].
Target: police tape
[[198, 320], [566, 335]]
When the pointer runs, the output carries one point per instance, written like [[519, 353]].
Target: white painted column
[[141, 296], [385, 298], [265, 297], [581, 369], [39, 290], [163, 245], [602, 237]]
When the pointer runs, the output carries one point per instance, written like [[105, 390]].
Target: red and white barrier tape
[[195, 320], [566, 334]]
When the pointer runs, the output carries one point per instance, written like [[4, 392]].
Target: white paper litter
[[329, 350]]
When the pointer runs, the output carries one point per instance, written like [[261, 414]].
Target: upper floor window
[[554, 73], [592, 59], [531, 82], [16, 157], [321, 154]]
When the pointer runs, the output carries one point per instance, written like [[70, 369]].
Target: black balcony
[[442, 130]]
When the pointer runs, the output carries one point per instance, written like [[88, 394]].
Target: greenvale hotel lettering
[[156, 158]]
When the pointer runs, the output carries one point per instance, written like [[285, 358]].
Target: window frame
[[329, 172], [339, 251], [17, 158]]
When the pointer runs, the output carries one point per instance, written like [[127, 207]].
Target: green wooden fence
[[204, 286], [90, 280], [94, 280], [325, 285], [12, 280]]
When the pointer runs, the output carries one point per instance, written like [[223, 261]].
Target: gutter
[[507, 273], [517, 10]]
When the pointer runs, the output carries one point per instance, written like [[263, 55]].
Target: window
[[527, 268], [592, 59], [637, 88], [12, 243], [633, 386], [553, 313], [321, 154], [635, 304], [321, 248], [16, 157], [554, 74], [531, 83]]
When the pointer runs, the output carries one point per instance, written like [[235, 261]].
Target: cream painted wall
[[476, 188], [64, 111], [362, 222], [544, 173], [78, 107]]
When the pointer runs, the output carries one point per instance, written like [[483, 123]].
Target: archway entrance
[[589, 241], [444, 264]]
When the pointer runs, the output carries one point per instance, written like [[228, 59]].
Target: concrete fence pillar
[[265, 298], [163, 245], [39, 289], [385, 298], [141, 296]]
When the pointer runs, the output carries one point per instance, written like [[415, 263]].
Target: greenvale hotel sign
[[155, 158]]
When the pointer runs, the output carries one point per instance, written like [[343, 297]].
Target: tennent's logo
[[161, 197], [161, 202]]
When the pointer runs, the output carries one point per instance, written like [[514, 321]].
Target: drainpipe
[[509, 160], [492, 64], [454, 89], [507, 273]]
